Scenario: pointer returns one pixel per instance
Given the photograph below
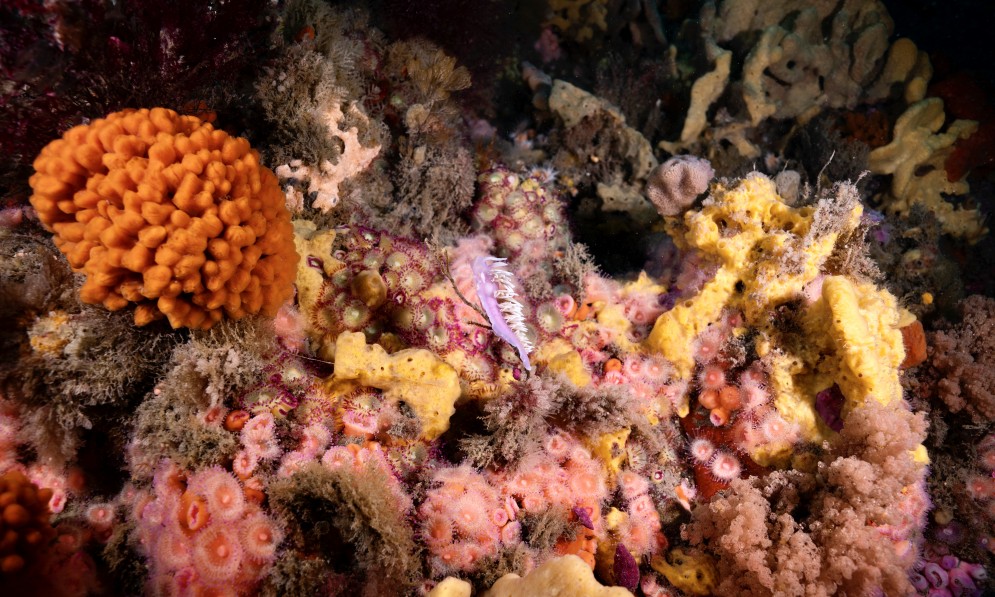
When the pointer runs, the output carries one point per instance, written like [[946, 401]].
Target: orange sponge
[[24, 527], [164, 211]]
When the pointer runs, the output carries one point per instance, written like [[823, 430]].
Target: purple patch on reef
[[583, 517], [314, 262], [626, 569], [880, 230], [667, 300], [829, 405], [951, 533]]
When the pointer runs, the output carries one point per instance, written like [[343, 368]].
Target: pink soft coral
[[856, 534], [961, 368]]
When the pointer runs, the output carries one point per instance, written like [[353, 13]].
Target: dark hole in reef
[[801, 513], [320, 535], [750, 346], [467, 421], [618, 243]]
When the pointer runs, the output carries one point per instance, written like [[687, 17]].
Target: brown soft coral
[[847, 529], [962, 360], [167, 212]]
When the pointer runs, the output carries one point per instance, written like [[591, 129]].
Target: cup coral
[[164, 211]]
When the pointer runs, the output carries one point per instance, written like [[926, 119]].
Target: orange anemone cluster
[[24, 526], [167, 212]]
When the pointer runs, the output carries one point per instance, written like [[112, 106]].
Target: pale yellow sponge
[[566, 576], [559, 356], [691, 572], [609, 448], [315, 266], [770, 254], [414, 376], [767, 251], [915, 158], [451, 587]]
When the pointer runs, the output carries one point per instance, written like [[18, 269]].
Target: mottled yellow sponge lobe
[[853, 340], [770, 255], [865, 337], [767, 252], [414, 376]]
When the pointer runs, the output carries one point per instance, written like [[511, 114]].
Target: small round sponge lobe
[[166, 212], [674, 185]]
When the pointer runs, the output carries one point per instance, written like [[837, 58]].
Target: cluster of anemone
[[709, 344], [361, 414], [723, 465], [392, 285], [553, 314], [734, 418], [258, 438], [201, 531], [360, 460], [908, 518], [265, 453], [758, 423], [595, 339], [978, 480], [58, 481], [469, 515], [735, 393], [564, 474], [464, 519], [981, 487], [9, 426], [42, 475], [645, 376], [312, 442], [525, 217], [394, 282], [574, 319], [381, 273], [525, 222], [641, 531], [395, 286], [101, 517], [282, 386]]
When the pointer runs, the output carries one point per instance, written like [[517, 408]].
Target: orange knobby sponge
[[165, 211], [24, 527]]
